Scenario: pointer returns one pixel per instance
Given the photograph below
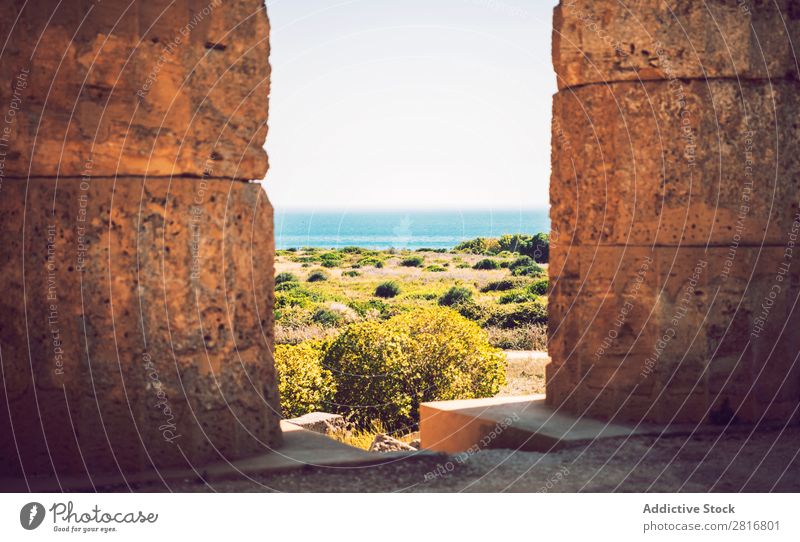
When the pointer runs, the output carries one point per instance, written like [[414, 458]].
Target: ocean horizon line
[[409, 209], [411, 229]]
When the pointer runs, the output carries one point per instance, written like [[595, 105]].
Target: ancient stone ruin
[[674, 199], [137, 258]]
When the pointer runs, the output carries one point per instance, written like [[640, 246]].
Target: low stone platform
[[525, 423], [300, 449]]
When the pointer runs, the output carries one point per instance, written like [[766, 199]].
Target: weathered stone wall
[[674, 199], [137, 260]]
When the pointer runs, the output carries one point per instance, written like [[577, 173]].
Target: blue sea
[[400, 229]]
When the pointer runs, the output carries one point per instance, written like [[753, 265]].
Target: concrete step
[[520, 423]]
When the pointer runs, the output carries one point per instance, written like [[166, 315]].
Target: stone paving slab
[[301, 449]]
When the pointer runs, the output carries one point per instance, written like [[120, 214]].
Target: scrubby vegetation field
[[374, 333]]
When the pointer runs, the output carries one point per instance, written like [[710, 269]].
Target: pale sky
[[410, 103]]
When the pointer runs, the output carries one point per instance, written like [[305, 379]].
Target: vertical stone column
[[674, 211], [137, 259]]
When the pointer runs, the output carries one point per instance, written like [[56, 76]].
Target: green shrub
[[522, 261], [330, 259], [412, 261], [474, 311], [435, 269], [364, 308], [525, 266], [370, 261], [531, 271], [368, 361], [327, 317], [385, 370], [351, 273], [504, 285], [541, 249], [427, 296], [287, 286], [304, 384], [517, 296], [481, 245], [455, 296], [387, 290], [296, 297], [463, 265], [518, 315], [539, 287], [532, 337], [536, 246], [282, 278], [486, 264], [317, 276]]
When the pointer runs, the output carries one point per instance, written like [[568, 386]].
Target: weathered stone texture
[[644, 163], [137, 88], [606, 41], [669, 335], [137, 267], [674, 211], [136, 297]]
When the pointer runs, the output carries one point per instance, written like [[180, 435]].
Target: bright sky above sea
[[410, 103]]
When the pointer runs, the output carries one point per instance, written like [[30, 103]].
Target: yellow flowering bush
[[384, 370], [304, 385]]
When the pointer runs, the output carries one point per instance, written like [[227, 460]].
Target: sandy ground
[[762, 462], [524, 373], [738, 461], [394, 271]]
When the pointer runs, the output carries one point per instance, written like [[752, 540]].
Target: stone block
[[320, 422], [672, 322], [699, 162], [139, 324], [142, 88], [604, 41]]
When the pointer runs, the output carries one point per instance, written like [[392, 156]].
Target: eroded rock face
[[140, 324], [603, 41], [675, 212], [654, 163], [136, 264], [135, 88], [673, 334]]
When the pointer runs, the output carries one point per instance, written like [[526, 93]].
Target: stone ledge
[[527, 424]]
